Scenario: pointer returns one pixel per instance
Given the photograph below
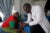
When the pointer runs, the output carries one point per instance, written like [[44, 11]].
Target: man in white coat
[[36, 19]]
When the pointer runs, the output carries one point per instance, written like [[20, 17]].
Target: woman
[[36, 19], [11, 23]]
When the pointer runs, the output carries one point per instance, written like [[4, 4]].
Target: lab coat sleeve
[[38, 16]]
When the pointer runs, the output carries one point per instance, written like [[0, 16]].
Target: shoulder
[[37, 8]]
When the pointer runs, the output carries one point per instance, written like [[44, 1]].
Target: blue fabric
[[25, 18], [48, 17], [27, 29]]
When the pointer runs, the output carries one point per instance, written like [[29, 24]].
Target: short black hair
[[27, 5]]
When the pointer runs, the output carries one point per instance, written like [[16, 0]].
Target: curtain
[[6, 7]]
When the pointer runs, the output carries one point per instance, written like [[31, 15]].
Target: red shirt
[[6, 23]]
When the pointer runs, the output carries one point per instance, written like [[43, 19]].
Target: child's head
[[16, 14], [27, 7]]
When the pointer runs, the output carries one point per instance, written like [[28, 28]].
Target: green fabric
[[12, 24], [20, 18], [10, 30]]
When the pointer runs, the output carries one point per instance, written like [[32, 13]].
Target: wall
[[32, 2], [17, 5]]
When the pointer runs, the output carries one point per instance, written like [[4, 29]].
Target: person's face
[[27, 10]]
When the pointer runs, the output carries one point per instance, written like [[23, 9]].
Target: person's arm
[[28, 19], [38, 17]]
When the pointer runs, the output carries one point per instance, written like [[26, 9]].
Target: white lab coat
[[39, 18]]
